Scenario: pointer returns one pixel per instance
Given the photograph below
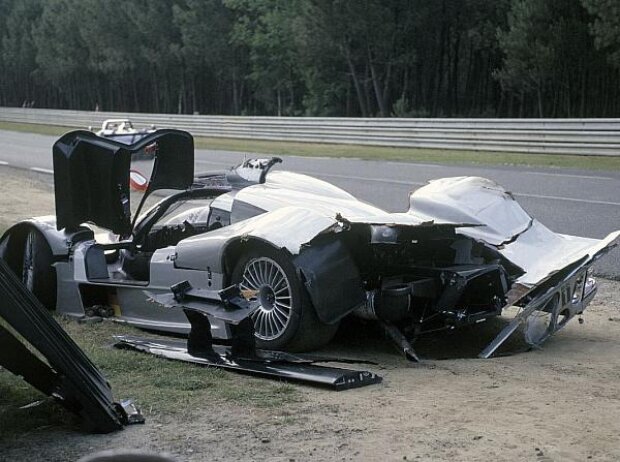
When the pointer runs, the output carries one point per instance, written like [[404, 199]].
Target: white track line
[[568, 175], [415, 183], [363, 178], [524, 172], [562, 175], [47, 171], [568, 199], [334, 175], [216, 162], [3, 162]]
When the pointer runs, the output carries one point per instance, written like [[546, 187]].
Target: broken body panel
[[34, 347], [241, 354]]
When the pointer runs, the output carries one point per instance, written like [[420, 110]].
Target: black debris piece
[[35, 347], [241, 356]]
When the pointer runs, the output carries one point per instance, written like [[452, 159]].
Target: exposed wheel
[[37, 272], [286, 319]]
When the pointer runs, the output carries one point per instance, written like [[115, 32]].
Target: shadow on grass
[[43, 413]]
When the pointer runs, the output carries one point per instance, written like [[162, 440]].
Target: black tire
[[37, 272], [302, 330]]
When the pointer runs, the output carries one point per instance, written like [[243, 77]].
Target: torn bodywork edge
[[562, 295]]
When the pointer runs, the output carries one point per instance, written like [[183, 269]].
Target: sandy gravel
[[558, 403]]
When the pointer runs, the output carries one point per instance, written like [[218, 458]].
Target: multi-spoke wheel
[[267, 282], [286, 318], [37, 272]]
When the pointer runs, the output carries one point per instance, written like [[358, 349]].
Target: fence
[[543, 136]]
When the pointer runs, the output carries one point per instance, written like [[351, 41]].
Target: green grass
[[441, 156], [35, 128], [163, 389]]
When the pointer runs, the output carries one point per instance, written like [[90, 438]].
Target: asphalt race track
[[583, 203]]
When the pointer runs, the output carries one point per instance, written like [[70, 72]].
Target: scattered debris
[[241, 355]]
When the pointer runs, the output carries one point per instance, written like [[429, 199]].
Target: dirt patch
[[24, 194], [558, 403]]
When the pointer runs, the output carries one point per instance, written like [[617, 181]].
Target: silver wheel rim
[[28, 264], [267, 282]]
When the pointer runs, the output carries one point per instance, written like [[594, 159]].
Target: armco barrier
[[542, 136]]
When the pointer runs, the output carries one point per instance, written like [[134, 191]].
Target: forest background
[[368, 58]]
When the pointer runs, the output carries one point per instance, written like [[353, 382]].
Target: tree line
[[369, 58]]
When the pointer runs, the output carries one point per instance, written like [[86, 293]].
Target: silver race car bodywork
[[307, 251]]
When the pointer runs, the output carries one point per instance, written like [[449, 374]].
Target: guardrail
[[543, 136]]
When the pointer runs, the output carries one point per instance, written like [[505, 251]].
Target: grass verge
[[440, 156], [35, 128], [163, 389]]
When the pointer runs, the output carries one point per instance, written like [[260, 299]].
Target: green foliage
[[606, 26], [105, 35], [529, 53], [550, 55], [265, 29], [60, 49], [314, 57], [204, 28]]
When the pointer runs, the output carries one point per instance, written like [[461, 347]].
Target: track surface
[[583, 203]]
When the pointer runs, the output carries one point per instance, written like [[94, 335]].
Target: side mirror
[[137, 181]]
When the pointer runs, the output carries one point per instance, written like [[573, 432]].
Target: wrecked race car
[[305, 252]]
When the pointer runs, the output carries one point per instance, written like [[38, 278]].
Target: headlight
[[590, 285]]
